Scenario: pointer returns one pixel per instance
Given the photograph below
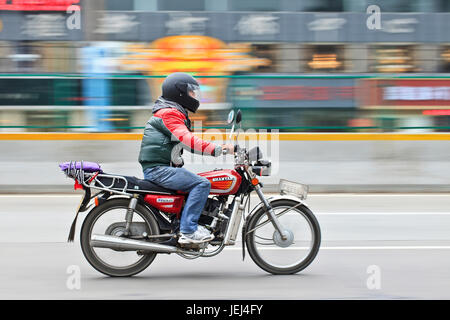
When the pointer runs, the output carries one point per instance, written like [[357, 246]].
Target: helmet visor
[[194, 91]]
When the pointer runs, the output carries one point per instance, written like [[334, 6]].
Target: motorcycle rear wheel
[[266, 238], [91, 255]]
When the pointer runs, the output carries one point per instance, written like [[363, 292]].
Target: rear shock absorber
[[129, 215]]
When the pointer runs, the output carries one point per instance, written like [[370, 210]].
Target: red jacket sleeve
[[174, 121]]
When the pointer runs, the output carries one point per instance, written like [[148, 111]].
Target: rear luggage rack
[[89, 176]]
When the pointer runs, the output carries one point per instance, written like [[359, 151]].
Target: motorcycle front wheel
[[109, 219], [299, 247]]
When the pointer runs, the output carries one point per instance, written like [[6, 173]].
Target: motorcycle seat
[[134, 184]]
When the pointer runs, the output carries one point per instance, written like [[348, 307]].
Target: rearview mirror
[[238, 117], [230, 117]]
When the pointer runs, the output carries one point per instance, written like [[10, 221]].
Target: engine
[[210, 212]]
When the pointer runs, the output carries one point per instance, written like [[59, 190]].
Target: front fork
[[271, 213]]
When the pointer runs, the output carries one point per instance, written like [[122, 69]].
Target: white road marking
[[238, 247], [379, 195], [363, 213], [379, 213], [269, 194], [358, 248], [317, 213]]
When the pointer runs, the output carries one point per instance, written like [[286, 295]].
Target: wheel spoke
[[269, 239], [265, 244]]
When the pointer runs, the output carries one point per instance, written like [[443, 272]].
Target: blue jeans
[[180, 179]]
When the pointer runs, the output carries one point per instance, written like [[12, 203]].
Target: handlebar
[[236, 149]]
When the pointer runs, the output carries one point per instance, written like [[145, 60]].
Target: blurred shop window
[[324, 58], [181, 5], [325, 119], [387, 121], [443, 6], [47, 121], [145, 5], [407, 5], [6, 49], [119, 5], [392, 59], [287, 5], [266, 51], [59, 57], [26, 56], [442, 121], [215, 118], [361, 123], [445, 59], [206, 119], [322, 5], [300, 119], [254, 5]]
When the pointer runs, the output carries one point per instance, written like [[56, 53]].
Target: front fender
[[275, 198]]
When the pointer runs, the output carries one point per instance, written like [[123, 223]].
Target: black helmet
[[176, 88]]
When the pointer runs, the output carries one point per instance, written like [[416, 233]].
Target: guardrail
[[328, 162]]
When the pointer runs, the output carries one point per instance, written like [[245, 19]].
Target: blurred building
[[295, 64]]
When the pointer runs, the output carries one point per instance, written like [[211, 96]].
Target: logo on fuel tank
[[222, 179], [165, 200]]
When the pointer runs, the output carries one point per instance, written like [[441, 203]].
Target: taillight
[[77, 186]]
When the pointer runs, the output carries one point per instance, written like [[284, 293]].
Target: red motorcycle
[[132, 220]]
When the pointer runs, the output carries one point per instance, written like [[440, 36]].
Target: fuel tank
[[223, 181]]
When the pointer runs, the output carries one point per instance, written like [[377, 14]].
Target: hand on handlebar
[[227, 149]]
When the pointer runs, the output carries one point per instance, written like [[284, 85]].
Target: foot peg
[[193, 246]]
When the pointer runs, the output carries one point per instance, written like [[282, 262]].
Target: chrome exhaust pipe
[[114, 242]]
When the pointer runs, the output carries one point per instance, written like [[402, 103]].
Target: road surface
[[375, 246]]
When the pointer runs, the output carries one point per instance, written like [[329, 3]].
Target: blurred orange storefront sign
[[197, 55], [405, 93]]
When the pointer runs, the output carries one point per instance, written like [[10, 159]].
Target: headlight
[[263, 168], [294, 188]]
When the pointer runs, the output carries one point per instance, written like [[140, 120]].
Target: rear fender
[[86, 199], [81, 208]]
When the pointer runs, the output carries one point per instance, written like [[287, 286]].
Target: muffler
[[118, 243]]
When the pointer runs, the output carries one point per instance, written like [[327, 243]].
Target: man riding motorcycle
[[159, 157]]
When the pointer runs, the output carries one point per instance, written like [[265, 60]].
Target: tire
[[315, 231], [91, 256]]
